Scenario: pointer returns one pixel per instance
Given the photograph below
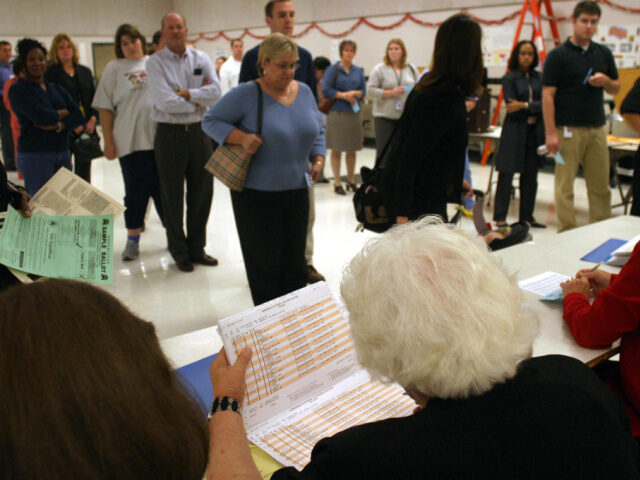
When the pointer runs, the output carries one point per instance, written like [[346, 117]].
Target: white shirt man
[[230, 70]]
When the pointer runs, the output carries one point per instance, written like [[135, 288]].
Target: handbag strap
[[259, 132]]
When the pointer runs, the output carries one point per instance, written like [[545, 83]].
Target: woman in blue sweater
[[271, 211], [46, 113]]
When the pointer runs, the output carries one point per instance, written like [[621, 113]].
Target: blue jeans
[[38, 167]]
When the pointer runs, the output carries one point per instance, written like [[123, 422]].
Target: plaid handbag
[[230, 162]]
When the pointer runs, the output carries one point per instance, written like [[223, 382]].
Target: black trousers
[[7, 138], [181, 152], [528, 184], [272, 227], [140, 177]]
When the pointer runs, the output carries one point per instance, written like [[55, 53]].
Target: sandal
[[533, 224], [351, 186], [339, 190]]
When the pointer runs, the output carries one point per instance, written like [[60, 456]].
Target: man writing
[[280, 16], [575, 75], [182, 84]]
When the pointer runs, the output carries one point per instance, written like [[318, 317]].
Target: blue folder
[[196, 377], [604, 251]]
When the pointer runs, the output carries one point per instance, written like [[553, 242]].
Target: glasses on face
[[287, 66]]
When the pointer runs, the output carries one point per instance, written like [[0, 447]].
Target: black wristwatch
[[223, 404]]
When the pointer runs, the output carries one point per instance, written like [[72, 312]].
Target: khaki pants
[[587, 146], [308, 251]]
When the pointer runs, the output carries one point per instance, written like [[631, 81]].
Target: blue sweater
[[354, 80], [36, 107], [292, 135]]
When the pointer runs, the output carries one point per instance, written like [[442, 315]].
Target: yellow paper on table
[[613, 138], [266, 465]]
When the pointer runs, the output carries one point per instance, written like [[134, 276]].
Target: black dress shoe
[[204, 259], [184, 264]]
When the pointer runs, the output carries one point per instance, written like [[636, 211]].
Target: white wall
[[371, 43]]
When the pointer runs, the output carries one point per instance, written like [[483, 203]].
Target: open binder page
[[290, 437], [303, 382], [301, 346]]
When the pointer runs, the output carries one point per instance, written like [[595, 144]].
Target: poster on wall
[[496, 45], [624, 43]]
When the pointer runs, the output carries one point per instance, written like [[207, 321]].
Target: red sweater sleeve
[[615, 311]]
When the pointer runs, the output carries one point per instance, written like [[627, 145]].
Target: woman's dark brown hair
[[457, 57], [86, 393], [514, 59], [133, 33]]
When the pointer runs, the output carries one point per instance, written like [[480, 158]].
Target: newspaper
[[303, 382], [67, 194]]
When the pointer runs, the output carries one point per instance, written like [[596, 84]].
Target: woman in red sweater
[[614, 314]]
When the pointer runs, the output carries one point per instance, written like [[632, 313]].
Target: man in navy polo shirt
[[575, 75]]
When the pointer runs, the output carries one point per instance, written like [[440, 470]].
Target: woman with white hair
[[433, 311]]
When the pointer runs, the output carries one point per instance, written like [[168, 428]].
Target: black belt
[[187, 127]]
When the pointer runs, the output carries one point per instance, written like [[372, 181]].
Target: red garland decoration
[[407, 17]]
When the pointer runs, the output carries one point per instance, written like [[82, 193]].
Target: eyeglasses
[[287, 66]]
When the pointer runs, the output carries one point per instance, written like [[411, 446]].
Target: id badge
[[568, 133], [399, 105]]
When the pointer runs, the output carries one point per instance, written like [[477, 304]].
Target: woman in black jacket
[[522, 132], [78, 81], [426, 162]]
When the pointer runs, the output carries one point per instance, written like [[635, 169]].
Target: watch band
[[223, 404]]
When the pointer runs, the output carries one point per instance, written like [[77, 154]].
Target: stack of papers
[[303, 382], [621, 254]]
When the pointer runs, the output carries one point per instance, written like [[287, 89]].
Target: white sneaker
[[131, 251]]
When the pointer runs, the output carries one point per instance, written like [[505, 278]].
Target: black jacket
[[513, 141], [86, 88]]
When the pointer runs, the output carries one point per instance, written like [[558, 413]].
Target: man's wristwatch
[[223, 404]]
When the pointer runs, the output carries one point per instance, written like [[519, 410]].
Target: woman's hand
[[402, 220], [109, 149], [395, 92], [316, 169], [579, 285], [25, 209], [90, 126], [598, 280], [466, 189], [79, 129], [226, 380], [348, 96], [251, 142], [515, 105], [63, 113]]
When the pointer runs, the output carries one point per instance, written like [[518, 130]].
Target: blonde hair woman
[[65, 70], [389, 85], [271, 212]]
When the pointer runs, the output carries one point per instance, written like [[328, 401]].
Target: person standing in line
[[271, 210], [630, 110], [182, 84], [15, 125], [280, 16], [46, 112], [8, 151], [522, 133], [575, 76], [125, 114], [321, 64], [157, 42], [345, 83], [389, 85], [78, 80], [230, 70]]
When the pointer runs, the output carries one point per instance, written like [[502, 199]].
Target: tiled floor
[[179, 302]]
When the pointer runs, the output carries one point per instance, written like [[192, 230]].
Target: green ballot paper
[[75, 247]]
